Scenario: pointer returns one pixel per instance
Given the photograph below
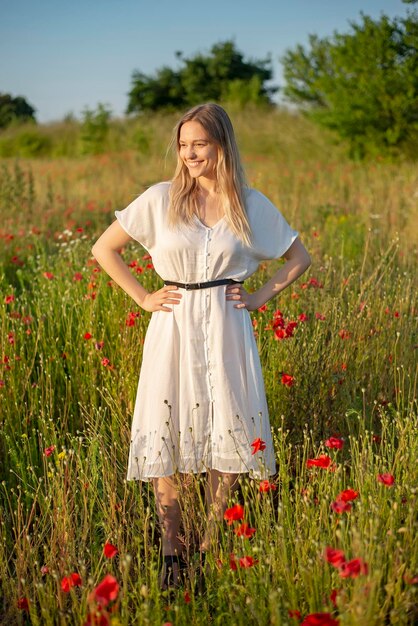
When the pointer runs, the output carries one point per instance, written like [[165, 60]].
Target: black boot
[[170, 580]]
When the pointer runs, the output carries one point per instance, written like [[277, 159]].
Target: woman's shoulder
[[256, 200], [157, 191]]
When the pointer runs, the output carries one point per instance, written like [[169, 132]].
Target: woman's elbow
[[94, 250], [307, 261]]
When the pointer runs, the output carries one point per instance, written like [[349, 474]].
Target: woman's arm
[[297, 262], [106, 252]]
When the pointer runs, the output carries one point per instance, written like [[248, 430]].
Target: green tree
[[201, 78], [363, 84], [14, 109], [94, 129]]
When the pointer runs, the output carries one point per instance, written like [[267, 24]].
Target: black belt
[[211, 283]]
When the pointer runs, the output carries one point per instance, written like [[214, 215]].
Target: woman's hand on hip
[[158, 300], [243, 299]]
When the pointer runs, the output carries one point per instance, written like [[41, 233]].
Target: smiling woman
[[208, 155], [201, 404]]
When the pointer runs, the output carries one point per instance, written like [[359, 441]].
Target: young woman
[[201, 401]]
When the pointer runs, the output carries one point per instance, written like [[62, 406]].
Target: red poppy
[[333, 597], [319, 316], [187, 597], [44, 570], [258, 445], [410, 580], [49, 451], [280, 333], [109, 550], [313, 282], [87, 336], [247, 561], [294, 614], [78, 276], [386, 479], [344, 334], [266, 486], [334, 442], [339, 506], [353, 568], [232, 563], [334, 557], [262, 308], [73, 580], [290, 327], [244, 531], [347, 495], [105, 362], [233, 514], [320, 619], [23, 604], [323, 461], [9, 299], [48, 275], [106, 591], [288, 380], [278, 322], [98, 617], [302, 317]]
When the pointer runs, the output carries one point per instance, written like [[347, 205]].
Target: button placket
[[206, 328]]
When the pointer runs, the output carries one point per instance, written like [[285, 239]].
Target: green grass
[[353, 360]]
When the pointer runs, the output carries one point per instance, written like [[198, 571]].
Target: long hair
[[229, 172]]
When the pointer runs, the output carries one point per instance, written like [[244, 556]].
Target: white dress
[[201, 401]]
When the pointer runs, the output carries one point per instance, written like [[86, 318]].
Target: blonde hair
[[230, 175]]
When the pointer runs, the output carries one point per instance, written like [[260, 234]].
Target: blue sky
[[64, 56]]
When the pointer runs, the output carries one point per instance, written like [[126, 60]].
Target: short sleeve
[[139, 219], [271, 233]]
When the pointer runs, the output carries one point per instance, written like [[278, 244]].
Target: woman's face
[[198, 151]]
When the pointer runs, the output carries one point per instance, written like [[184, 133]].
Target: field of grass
[[345, 417]]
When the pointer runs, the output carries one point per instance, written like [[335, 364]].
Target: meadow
[[332, 538]]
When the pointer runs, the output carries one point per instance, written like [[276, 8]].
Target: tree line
[[362, 84]]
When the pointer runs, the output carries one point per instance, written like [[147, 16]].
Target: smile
[[194, 163]]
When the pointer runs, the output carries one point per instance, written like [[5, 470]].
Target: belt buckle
[[187, 286]]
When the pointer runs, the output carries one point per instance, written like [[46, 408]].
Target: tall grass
[[71, 346]]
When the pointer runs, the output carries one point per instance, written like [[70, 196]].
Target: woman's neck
[[207, 187]]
